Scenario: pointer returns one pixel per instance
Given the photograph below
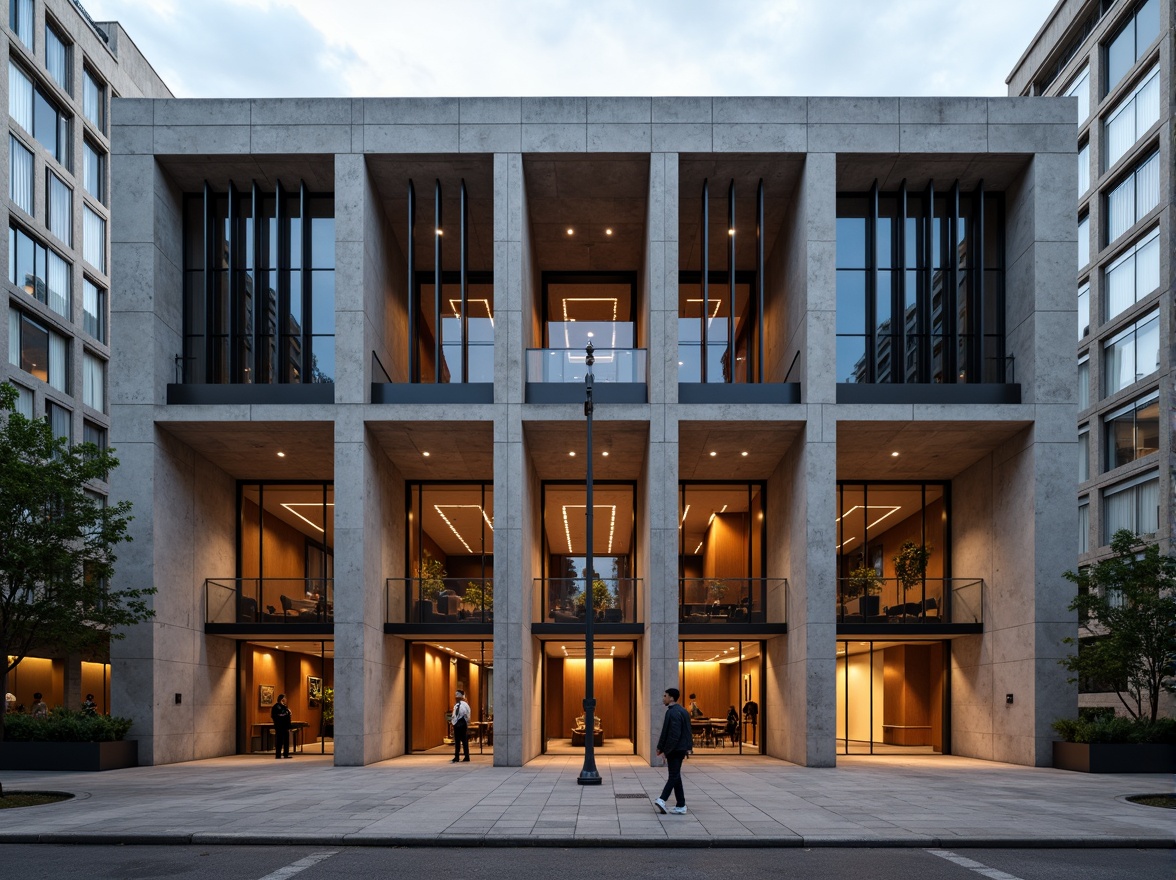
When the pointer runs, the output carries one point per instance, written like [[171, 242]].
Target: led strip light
[[453, 528], [612, 524]]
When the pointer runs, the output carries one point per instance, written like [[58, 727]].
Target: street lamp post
[[589, 775]]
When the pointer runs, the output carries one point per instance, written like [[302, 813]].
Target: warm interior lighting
[[440, 508], [612, 523], [439, 232], [572, 454], [889, 508], [730, 232], [744, 453], [571, 231], [713, 454], [605, 453], [894, 455], [290, 505], [281, 455], [608, 232], [425, 454]]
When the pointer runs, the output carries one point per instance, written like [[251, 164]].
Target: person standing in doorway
[[40, 710], [675, 742], [751, 713], [460, 719], [280, 713], [89, 707]]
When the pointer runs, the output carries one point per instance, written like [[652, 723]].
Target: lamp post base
[[589, 777]]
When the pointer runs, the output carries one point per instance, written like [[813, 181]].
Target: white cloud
[[563, 47]]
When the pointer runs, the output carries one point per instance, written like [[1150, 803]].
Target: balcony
[[263, 604], [615, 600], [947, 604], [453, 604], [556, 375], [710, 604]]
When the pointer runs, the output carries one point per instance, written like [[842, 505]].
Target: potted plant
[[67, 740], [431, 575], [602, 596], [479, 596], [910, 565], [716, 590], [328, 711], [1126, 642], [862, 585]]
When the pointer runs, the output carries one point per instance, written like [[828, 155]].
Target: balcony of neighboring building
[[435, 221], [734, 345], [587, 221]]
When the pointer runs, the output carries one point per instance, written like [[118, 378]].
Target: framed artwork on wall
[[314, 691], [265, 695]]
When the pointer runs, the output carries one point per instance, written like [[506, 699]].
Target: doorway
[[615, 687], [722, 688], [302, 670], [436, 670]]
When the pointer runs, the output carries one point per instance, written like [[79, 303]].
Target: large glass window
[[876, 523], [714, 316], [94, 100], [60, 202], [1134, 506], [20, 97], [57, 58], [722, 684], [451, 553], [1132, 354], [1083, 241], [20, 19], [92, 433], [1083, 169], [473, 362], [1080, 89], [93, 238], [259, 288], [59, 420], [920, 287], [93, 381], [94, 171], [1134, 115], [39, 115], [1128, 202], [20, 175], [42, 273], [38, 351], [1083, 383], [94, 309], [1083, 311], [1132, 40], [1084, 526], [1132, 431], [1133, 275], [721, 553], [1083, 455], [579, 308], [436, 670]]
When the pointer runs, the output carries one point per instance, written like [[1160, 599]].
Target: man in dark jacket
[[675, 742]]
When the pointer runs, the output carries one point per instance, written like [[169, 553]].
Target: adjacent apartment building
[[833, 426], [1116, 59], [62, 71]]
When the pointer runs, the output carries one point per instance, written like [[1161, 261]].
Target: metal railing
[[269, 600], [929, 601], [439, 600], [721, 601], [559, 365], [614, 599]]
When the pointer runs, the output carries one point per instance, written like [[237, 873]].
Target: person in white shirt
[[460, 719]]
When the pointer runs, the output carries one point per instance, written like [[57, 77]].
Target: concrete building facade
[[364, 488], [1116, 58], [62, 71]]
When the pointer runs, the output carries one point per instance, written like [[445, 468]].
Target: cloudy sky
[[272, 48]]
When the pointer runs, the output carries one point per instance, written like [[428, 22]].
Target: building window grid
[[40, 271], [1131, 354], [1134, 505], [1132, 276], [1127, 45], [1131, 432], [38, 351], [1133, 197], [1131, 118], [38, 114]]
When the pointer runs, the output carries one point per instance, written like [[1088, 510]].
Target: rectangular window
[[1083, 169], [1133, 198], [1083, 241], [1129, 44], [94, 382], [1133, 275], [1080, 89], [1083, 311], [20, 19], [51, 127], [92, 433], [1133, 116], [1132, 354], [20, 175], [57, 58], [1083, 384], [1132, 431], [24, 400], [1134, 506], [20, 97], [57, 287], [59, 420], [38, 350], [93, 239], [60, 202], [94, 309], [1083, 456], [1084, 527], [93, 100], [42, 273], [94, 171]]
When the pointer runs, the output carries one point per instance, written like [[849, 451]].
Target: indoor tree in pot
[[862, 584], [910, 565]]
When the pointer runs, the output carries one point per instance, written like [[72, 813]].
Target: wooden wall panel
[[725, 548]]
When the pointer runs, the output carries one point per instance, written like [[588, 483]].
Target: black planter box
[[69, 756], [1115, 757]]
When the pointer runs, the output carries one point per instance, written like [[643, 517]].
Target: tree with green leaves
[[57, 543], [1126, 608]]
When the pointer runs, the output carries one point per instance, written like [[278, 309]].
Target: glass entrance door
[[722, 688], [302, 670], [891, 697]]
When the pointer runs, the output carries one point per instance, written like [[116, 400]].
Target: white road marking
[[299, 866], [973, 865]]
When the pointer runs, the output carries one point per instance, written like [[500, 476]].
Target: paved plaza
[[927, 801]]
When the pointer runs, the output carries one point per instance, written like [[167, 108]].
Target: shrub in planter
[[1116, 729], [65, 726]]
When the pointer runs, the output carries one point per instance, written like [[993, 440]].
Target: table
[[269, 736]]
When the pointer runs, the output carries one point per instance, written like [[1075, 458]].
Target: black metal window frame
[[327, 486], [1129, 20], [463, 277], [414, 492], [972, 370], [865, 485], [282, 264], [762, 485], [561, 276]]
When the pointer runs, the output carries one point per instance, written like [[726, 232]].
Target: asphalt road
[[34, 862]]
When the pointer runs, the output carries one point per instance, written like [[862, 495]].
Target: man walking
[[675, 743], [460, 719]]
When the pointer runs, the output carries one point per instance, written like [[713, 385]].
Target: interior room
[[437, 670], [719, 203], [721, 547], [452, 230], [615, 686], [451, 552], [722, 688], [302, 670]]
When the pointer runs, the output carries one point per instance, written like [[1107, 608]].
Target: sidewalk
[[426, 801]]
